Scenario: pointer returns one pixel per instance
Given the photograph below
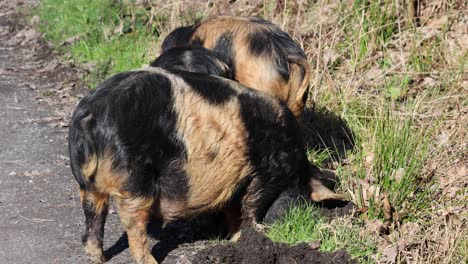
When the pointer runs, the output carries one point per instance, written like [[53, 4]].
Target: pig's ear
[[320, 192]]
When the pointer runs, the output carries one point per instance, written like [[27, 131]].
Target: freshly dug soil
[[255, 248], [333, 209]]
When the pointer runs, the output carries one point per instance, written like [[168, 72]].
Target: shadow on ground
[[324, 130], [174, 234]]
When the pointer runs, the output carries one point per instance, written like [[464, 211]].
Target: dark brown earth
[[255, 248], [41, 219]]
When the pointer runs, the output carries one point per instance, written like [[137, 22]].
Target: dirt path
[[40, 213], [39, 208]]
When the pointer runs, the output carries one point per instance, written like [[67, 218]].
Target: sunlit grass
[[109, 37], [306, 224]]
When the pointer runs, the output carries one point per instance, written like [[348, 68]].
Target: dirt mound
[[253, 248], [333, 209]]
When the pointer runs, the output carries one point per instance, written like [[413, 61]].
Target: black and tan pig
[[261, 55]]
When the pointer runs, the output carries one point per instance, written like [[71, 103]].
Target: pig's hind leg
[[134, 212], [95, 207]]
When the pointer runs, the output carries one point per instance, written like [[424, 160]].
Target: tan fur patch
[[215, 138], [259, 73], [133, 207], [107, 179], [210, 31], [171, 210], [93, 249], [97, 199], [134, 213], [298, 85], [89, 167]]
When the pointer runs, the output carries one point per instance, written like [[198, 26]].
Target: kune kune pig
[[261, 55]]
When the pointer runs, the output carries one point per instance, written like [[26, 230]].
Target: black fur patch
[[199, 60], [94, 223], [214, 90], [224, 47], [274, 42], [266, 43], [182, 36], [133, 119], [275, 148], [81, 145], [260, 21], [288, 199]]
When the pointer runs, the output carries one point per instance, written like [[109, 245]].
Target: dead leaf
[[70, 40], [62, 157], [30, 36], [35, 20], [389, 254], [410, 231], [374, 74], [443, 139], [376, 227], [438, 22], [50, 66], [31, 173], [450, 216], [89, 67], [119, 29], [428, 82], [315, 245], [387, 209], [398, 174], [369, 158], [58, 124]]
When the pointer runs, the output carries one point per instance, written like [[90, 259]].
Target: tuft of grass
[[396, 87], [318, 157], [389, 160], [106, 36], [306, 224]]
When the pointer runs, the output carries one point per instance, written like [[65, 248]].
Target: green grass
[[318, 157], [112, 37], [305, 224], [390, 155], [368, 25]]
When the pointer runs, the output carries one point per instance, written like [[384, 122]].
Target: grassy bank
[[398, 85], [104, 37]]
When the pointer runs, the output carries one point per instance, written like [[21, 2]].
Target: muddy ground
[[41, 220]]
